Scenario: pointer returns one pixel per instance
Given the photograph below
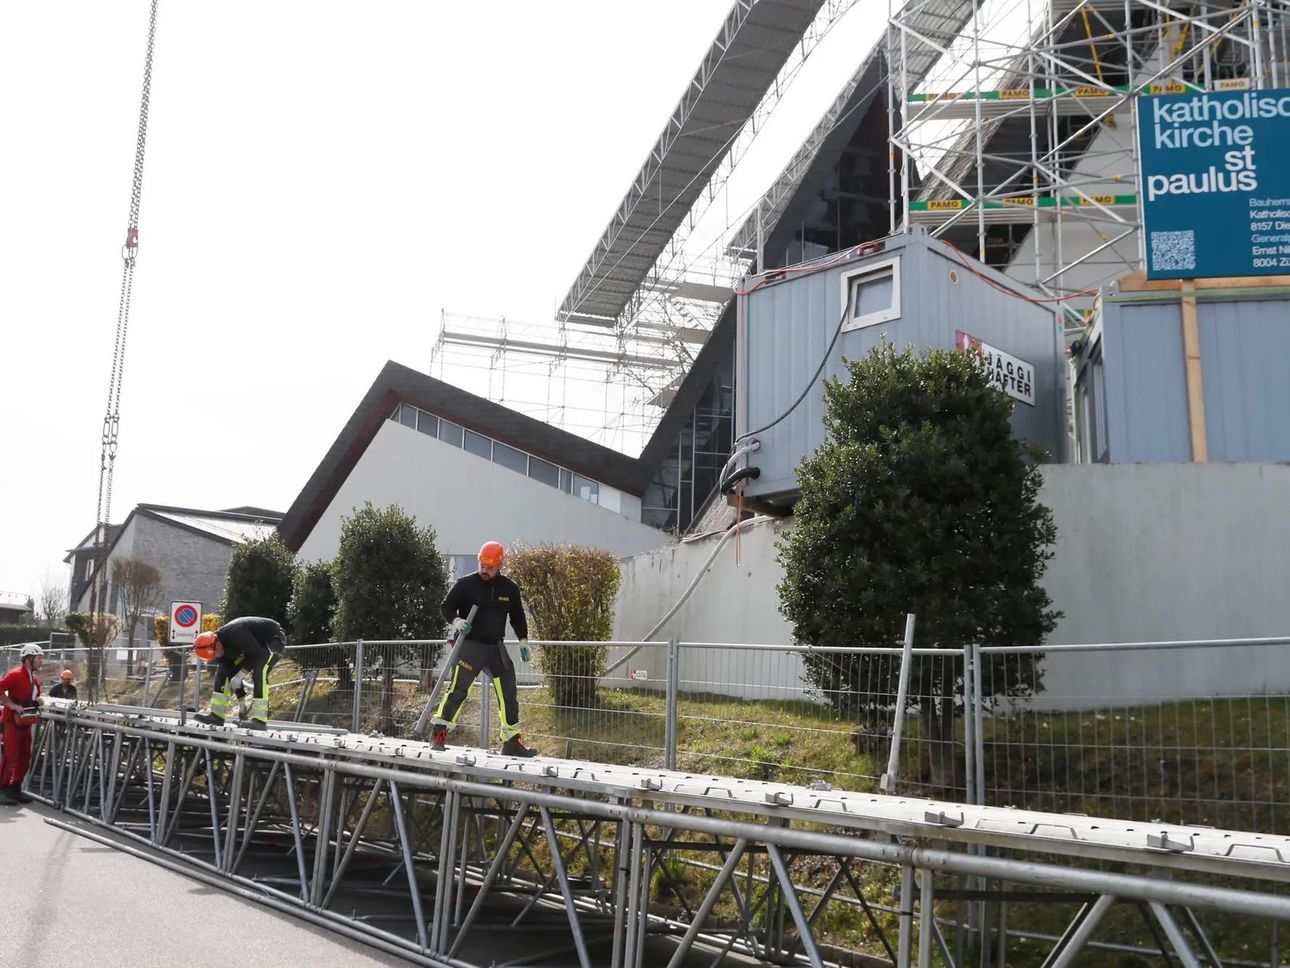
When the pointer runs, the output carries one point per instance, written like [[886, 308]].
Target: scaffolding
[[626, 334], [1020, 145]]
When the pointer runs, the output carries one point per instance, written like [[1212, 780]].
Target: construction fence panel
[[1183, 732], [605, 702], [808, 715]]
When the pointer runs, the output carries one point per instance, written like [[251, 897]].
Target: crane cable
[[112, 415]]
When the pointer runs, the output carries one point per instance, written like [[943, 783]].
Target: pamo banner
[[1215, 183]]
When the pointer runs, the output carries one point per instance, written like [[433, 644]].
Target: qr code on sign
[[1173, 250]]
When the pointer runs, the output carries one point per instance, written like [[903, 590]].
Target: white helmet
[[31, 649]]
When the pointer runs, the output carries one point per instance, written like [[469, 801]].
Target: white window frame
[[855, 277]]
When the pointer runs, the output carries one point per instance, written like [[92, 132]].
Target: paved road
[[68, 901]]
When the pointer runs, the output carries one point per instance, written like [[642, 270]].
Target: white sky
[[322, 178]]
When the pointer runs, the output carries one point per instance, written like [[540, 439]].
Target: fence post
[[673, 687], [358, 688], [969, 726], [888, 781], [978, 724]]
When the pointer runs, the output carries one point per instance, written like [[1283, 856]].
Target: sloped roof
[[400, 384]]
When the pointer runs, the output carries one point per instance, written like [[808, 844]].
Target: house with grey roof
[[190, 547]]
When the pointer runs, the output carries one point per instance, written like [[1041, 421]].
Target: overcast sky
[[322, 178]]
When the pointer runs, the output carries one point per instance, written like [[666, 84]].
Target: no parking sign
[[185, 621]]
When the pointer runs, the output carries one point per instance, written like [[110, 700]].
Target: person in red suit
[[20, 695]]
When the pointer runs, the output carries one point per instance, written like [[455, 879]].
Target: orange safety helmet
[[204, 646], [68, 675], [491, 553]]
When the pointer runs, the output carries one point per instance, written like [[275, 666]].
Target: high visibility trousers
[[258, 666], [474, 658]]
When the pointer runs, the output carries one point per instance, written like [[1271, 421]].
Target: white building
[[471, 469]]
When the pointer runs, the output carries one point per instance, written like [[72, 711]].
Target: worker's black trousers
[[474, 658]]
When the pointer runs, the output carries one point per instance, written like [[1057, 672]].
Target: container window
[[874, 294]]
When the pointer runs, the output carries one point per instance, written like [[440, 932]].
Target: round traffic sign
[[185, 616]]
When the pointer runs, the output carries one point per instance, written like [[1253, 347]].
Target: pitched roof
[[400, 384]]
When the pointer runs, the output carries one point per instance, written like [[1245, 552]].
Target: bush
[[389, 579], [260, 577], [920, 500], [312, 612], [568, 594], [13, 634]]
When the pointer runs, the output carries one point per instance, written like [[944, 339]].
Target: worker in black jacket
[[249, 643], [497, 598]]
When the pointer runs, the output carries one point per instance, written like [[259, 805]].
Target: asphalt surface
[[68, 901]]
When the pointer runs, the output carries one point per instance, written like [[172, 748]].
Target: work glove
[[524, 649], [460, 625]]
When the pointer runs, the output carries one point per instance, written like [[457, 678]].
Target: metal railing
[[1186, 731]]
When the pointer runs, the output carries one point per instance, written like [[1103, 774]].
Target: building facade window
[[509, 457], [479, 445]]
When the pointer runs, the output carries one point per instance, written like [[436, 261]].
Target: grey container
[[1131, 397], [911, 290]]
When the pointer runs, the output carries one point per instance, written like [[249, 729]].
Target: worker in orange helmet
[[65, 688], [497, 598], [249, 643]]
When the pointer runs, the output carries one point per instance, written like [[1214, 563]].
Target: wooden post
[[1195, 384]]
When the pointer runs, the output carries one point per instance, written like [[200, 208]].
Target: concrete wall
[[1147, 552], [468, 501]]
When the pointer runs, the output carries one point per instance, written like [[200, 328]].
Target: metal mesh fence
[[1181, 732]]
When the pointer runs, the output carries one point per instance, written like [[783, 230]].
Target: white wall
[[468, 501], [1146, 552]]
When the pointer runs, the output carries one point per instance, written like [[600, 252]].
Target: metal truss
[[465, 857], [1023, 135]]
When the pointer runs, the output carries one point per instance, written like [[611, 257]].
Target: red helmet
[[491, 553], [204, 646]]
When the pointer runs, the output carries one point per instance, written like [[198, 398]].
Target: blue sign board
[[1214, 179]]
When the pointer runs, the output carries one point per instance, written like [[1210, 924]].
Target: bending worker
[[20, 696], [248, 643], [497, 598]]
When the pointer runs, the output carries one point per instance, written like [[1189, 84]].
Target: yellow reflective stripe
[[508, 729], [448, 691]]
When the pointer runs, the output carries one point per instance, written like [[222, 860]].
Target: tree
[[261, 573], [921, 500], [138, 585], [53, 598], [312, 611], [389, 579], [95, 630], [568, 592]]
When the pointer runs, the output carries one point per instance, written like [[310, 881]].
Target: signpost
[[185, 622], [1215, 185]]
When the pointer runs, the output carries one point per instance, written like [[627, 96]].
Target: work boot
[[515, 747], [7, 798], [439, 738], [209, 719], [19, 795], [257, 724]]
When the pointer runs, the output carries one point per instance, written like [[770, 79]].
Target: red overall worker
[[20, 694], [497, 598]]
